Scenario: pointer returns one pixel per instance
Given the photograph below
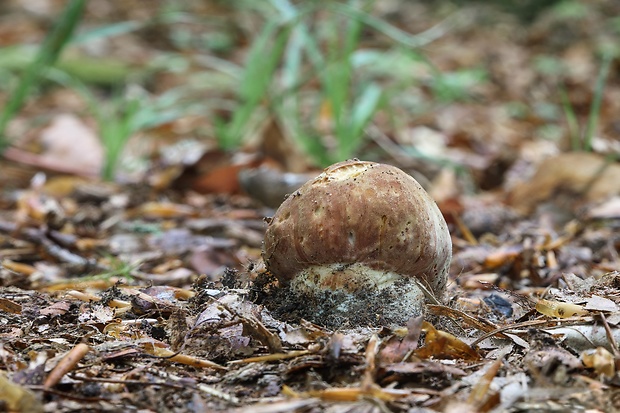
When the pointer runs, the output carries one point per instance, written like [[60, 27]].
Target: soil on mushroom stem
[[320, 308]]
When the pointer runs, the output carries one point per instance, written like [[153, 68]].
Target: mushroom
[[362, 243]]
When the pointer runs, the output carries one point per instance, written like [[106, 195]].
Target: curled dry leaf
[[397, 349], [440, 344], [601, 360], [481, 396]]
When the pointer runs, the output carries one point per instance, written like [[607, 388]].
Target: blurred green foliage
[[308, 66], [49, 51]]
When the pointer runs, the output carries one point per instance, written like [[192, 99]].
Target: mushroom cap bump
[[362, 230]]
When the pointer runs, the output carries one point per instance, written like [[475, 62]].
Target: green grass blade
[[362, 113], [110, 30], [595, 108], [396, 34], [286, 9], [130, 26], [262, 63], [47, 55], [337, 76]]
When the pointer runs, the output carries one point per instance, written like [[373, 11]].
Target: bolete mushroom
[[356, 243]]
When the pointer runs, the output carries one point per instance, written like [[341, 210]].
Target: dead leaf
[[163, 210], [215, 172], [397, 349], [583, 337], [400, 371], [609, 209], [10, 306], [582, 176], [598, 303], [440, 344], [481, 396], [58, 308], [601, 360], [68, 141]]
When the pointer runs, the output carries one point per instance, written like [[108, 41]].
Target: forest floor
[[147, 294]]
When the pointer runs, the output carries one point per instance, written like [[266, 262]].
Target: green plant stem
[[571, 120], [47, 55]]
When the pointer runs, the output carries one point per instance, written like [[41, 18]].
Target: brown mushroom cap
[[364, 213]]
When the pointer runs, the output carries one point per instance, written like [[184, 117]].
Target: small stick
[[610, 336], [272, 357], [532, 323], [211, 391], [39, 237], [68, 363], [370, 355], [181, 358]]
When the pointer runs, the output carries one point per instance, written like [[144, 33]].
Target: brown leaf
[[439, 344], [58, 308], [68, 141], [215, 172], [580, 176], [10, 306], [601, 360], [396, 349]]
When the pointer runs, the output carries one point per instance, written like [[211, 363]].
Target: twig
[[212, 391], [65, 365], [370, 355], [610, 336], [165, 353], [181, 383], [129, 382], [39, 237], [272, 357], [257, 330], [480, 324], [531, 323]]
